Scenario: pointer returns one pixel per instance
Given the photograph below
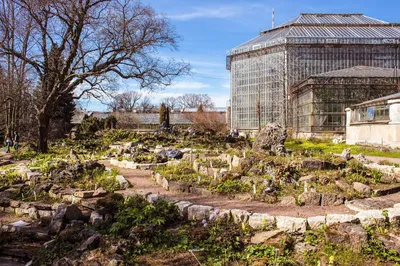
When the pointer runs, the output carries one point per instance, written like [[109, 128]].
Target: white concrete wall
[[380, 134]]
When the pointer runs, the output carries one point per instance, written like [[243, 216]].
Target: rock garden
[[191, 198]]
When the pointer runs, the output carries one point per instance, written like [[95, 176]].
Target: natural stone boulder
[[342, 185], [260, 238], [316, 222], [100, 192], [391, 242], [361, 158], [91, 243], [304, 247], [346, 155], [310, 198], [332, 200], [352, 236], [171, 154], [312, 165], [271, 138], [124, 184], [341, 218], [370, 217], [95, 218], [261, 221], [240, 216], [360, 187], [64, 214], [291, 224], [198, 212], [288, 201], [308, 178]]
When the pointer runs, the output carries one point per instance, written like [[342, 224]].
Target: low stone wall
[[33, 209], [132, 165], [377, 134], [178, 186], [263, 221]]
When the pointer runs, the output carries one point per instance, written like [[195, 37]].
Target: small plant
[[233, 186]]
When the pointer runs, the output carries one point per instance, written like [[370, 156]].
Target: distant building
[[319, 102], [264, 69], [375, 122]]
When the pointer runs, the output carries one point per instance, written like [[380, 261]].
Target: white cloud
[[221, 11], [188, 85], [208, 12]]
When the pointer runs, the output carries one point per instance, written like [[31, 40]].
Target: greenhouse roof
[[326, 28], [362, 72]]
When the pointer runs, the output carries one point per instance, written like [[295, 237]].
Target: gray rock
[[342, 185], [361, 158], [310, 198], [64, 214], [352, 236], [308, 178], [341, 218], [261, 221], [271, 138], [236, 161], [287, 201], [303, 247], [360, 187], [100, 192], [84, 194], [95, 218], [154, 197], [316, 222], [183, 208], [261, 237], [312, 164], [394, 215], [91, 243], [346, 154], [291, 224], [240, 216], [370, 217], [124, 184], [369, 204], [391, 242], [332, 200], [198, 212]]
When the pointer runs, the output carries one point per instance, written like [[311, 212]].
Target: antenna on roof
[[273, 18]]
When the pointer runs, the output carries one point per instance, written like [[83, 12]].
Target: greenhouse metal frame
[[264, 69]]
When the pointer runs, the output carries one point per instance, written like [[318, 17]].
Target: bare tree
[[170, 102], [192, 100], [126, 101], [82, 45], [146, 105]]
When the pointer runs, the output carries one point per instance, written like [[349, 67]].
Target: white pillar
[[394, 111]]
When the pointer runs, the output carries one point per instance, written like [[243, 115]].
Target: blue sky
[[211, 28]]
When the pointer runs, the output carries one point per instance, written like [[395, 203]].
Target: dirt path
[[141, 180]]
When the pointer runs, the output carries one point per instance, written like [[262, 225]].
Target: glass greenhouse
[[264, 69]]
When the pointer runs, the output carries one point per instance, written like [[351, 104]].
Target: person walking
[[8, 143], [16, 141]]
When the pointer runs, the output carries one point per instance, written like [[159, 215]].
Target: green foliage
[[375, 245], [9, 178], [215, 163], [164, 115], [89, 127], [149, 158], [327, 146], [27, 155], [233, 186], [116, 135], [101, 178], [136, 211]]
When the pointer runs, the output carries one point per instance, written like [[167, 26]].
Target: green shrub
[[233, 186]]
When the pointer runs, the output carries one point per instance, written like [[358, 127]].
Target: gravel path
[[141, 181]]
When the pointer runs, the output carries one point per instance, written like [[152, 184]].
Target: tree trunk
[[44, 122]]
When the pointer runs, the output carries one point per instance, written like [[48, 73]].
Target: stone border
[[178, 186], [262, 221], [132, 165]]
